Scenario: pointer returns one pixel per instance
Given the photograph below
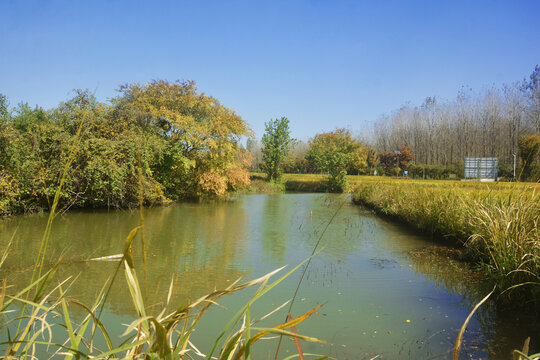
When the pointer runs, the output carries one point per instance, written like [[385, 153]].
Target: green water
[[386, 291]]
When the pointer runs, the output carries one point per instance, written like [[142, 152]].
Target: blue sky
[[322, 64]]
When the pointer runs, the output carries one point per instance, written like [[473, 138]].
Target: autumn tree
[[388, 161], [276, 143], [529, 149], [203, 135], [394, 163], [404, 155], [334, 152]]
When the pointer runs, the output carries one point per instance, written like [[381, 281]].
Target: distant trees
[[531, 89], [296, 162], [254, 148], [334, 152], [276, 143], [372, 160], [480, 125]]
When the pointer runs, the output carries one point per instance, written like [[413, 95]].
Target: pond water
[[386, 291]]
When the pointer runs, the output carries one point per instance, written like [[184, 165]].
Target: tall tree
[[532, 92], [276, 143], [203, 134]]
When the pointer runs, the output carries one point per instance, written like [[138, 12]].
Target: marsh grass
[[318, 183], [497, 224]]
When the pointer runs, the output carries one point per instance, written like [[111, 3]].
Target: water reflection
[[389, 292], [200, 246]]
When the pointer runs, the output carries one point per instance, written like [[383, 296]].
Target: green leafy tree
[[334, 152], [276, 143]]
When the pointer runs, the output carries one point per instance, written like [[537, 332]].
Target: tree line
[[494, 123], [163, 141], [431, 140], [159, 140]]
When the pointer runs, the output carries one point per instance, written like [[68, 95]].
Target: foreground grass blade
[[457, 346], [125, 255], [239, 314], [72, 337], [280, 331]]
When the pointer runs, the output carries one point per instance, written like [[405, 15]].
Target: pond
[[386, 290]]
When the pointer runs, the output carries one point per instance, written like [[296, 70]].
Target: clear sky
[[322, 64]]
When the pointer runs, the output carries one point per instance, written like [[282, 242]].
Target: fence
[[481, 168]]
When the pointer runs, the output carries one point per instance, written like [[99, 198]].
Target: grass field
[[316, 181]]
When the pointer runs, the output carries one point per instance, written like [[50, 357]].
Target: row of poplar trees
[[495, 123]]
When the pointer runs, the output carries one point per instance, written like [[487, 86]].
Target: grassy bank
[[497, 223], [302, 182], [317, 182]]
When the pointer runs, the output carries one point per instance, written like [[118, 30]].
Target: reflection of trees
[[197, 243], [275, 227], [300, 219], [343, 234]]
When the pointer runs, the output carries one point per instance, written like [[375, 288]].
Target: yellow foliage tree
[[203, 134]]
